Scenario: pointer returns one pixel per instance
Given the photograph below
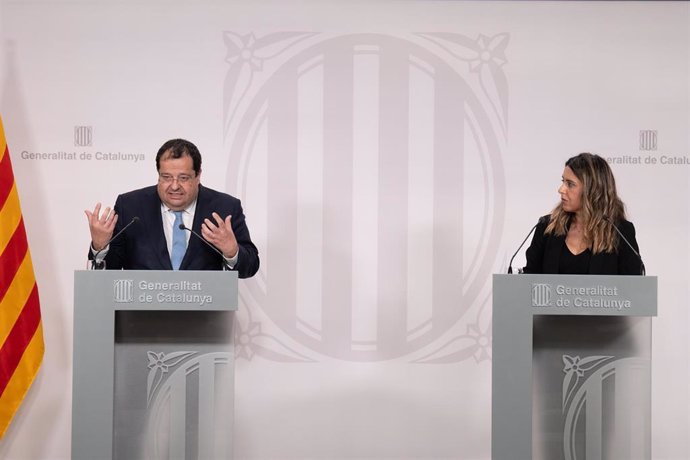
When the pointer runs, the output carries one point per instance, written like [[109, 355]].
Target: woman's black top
[[549, 254], [574, 264]]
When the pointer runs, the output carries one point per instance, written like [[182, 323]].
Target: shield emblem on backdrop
[[370, 168]]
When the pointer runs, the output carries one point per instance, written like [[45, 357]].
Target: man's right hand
[[101, 226]]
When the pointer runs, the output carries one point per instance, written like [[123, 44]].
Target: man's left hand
[[220, 234]]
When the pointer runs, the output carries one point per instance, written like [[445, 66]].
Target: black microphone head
[[182, 227], [135, 219]]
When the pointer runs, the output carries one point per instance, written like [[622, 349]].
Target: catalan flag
[[21, 331]]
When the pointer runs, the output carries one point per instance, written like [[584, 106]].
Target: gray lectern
[[153, 364], [572, 367]]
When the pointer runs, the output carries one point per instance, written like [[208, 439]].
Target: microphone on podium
[[643, 271], [99, 265], [510, 264], [215, 249]]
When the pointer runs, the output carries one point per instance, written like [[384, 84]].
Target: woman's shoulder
[[626, 226], [543, 221]]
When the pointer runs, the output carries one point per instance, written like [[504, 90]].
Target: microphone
[[215, 249], [96, 265], [643, 272], [510, 264]]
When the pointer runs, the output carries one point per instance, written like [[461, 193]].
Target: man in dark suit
[[155, 240]]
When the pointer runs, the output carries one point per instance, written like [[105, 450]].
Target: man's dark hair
[[179, 148]]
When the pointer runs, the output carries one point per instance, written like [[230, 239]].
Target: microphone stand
[[226, 266]]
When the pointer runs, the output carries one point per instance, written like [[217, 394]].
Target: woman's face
[[570, 191]]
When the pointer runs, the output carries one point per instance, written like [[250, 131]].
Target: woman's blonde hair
[[600, 204]]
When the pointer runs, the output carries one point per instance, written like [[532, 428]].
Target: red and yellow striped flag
[[21, 331]]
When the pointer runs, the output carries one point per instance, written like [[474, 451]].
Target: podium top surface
[[156, 289], [603, 295]]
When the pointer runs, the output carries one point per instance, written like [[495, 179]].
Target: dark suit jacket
[[143, 246], [545, 251]]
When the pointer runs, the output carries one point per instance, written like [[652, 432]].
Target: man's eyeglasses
[[169, 179]]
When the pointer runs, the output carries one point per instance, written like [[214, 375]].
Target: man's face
[[178, 184]]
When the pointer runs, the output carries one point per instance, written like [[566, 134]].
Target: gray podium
[[572, 367], [153, 364]]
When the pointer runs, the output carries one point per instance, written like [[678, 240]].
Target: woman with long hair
[[580, 235]]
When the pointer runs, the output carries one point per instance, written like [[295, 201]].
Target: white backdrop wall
[[390, 156]]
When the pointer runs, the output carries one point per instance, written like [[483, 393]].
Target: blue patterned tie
[[179, 245]]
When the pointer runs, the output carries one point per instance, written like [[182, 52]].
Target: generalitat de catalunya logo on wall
[[377, 160], [84, 150], [652, 152], [648, 139], [83, 136]]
